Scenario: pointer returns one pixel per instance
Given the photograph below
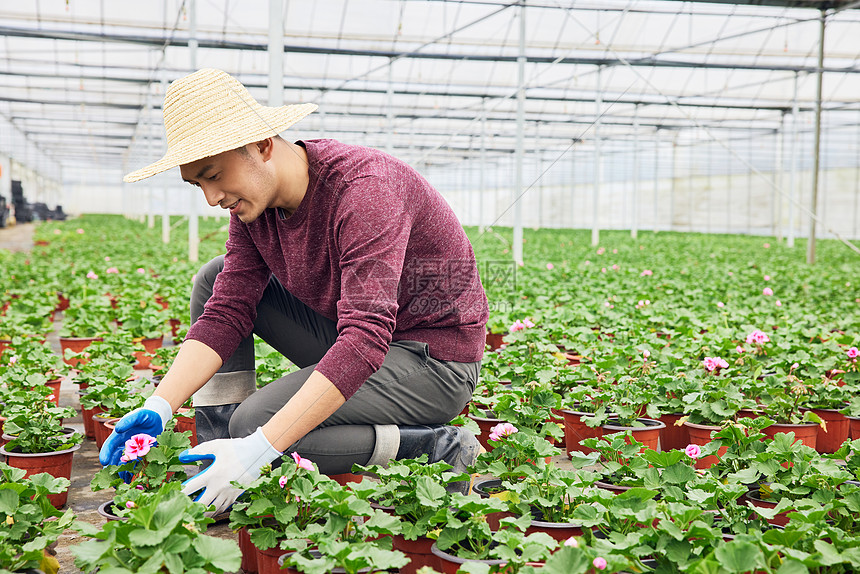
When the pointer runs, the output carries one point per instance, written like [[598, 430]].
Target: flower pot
[[805, 433], [491, 487], [649, 435], [450, 563], [615, 488], [106, 510], [87, 416], [76, 344], [4, 344], [837, 430], [486, 424], [174, 329], [346, 477], [495, 340], [560, 531], [151, 345], [100, 430], [186, 423], [780, 519], [853, 427], [701, 435], [336, 570], [58, 464], [575, 431], [54, 385], [418, 551], [267, 560], [673, 437], [249, 552]]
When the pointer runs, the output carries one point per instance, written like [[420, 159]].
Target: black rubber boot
[[213, 422], [455, 445]]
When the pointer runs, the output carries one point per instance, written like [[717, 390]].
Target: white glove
[[233, 459]]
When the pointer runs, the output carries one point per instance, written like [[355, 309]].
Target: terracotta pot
[[576, 431], [806, 433], [347, 477], [854, 427], [649, 435], [267, 560], [673, 437], [174, 329], [335, 570], [54, 385], [780, 519], [486, 488], [101, 431], [151, 345], [4, 344], [76, 344], [418, 551], [560, 531], [837, 430], [494, 340], [701, 435], [616, 488], [249, 552], [57, 464], [450, 563], [185, 423], [486, 424], [62, 302], [87, 416]]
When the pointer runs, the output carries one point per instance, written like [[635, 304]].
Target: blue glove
[[233, 459], [149, 419]]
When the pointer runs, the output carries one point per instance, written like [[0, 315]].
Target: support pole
[[656, 177], [816, 155], [276, 53], [165, 217], [634, 209], [595, 214], [779, 167], [389, 115], [150, 147], [792, 179], [521, 102], [193, 223], [482, 184]]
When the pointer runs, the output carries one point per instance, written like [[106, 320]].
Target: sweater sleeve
[[229, 314], [372, 232]]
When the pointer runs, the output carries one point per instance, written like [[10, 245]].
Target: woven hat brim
[[276, 121]]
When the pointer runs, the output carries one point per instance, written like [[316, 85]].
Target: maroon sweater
[[373, 247]]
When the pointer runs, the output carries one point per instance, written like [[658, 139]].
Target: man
[[342, 258]]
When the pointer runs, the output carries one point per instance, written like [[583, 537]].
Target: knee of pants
[[243, 423], [202, 288]]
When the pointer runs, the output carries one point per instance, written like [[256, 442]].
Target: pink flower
[[603, 270], [599, 563], [694, 451], [141, 270], [139, 487], [92, 275], [739, 349], [794, 366], [766, 277], [615, 251], [571, 542], [720, 304], [51, 397], [302, 462], [766, 245], [550, 266], [646, 272], [520, 325], [711, 364], [107, 258], [57, 232], [767, 292], [601, 251], [615, 267], [282, 482], [607, 304], [137, 446], [852, 353], [646, 353], [502, 430], [80, 231], [112, 270], [757, 337], [778, 303], [129, 504], [13, 360]]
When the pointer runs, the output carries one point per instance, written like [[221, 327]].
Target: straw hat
[[209, 112]]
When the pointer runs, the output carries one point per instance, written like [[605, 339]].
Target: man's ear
[[266, 148]]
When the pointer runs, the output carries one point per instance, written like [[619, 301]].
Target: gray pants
[[410, 388]]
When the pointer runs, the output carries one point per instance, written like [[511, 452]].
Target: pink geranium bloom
[[603, 270], [302, 462], [646, 272], [739, 349], [646, 353], [92, 275], [112, 270], [767, 291], [550, 266], [282, 482], [107, 258], [711, 364], [80, 231], [694, 451], [779, 303], [599, 563], [757, 337], [520, 325], [766, 278], [615, 267], [129, 504], [601, 251], [852, 353], [502, 430], [137, 446], [141, 270], [571, 542]]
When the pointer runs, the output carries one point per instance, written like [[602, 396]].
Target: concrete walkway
[[18, 237]]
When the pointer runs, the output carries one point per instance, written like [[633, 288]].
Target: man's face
[[234, 180]]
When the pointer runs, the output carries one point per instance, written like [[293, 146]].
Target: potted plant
[[143, 318], [164, 535], [31, 522], [86, 321], [783, 401]]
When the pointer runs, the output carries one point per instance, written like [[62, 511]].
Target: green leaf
[[739, 556], [221, 554]]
